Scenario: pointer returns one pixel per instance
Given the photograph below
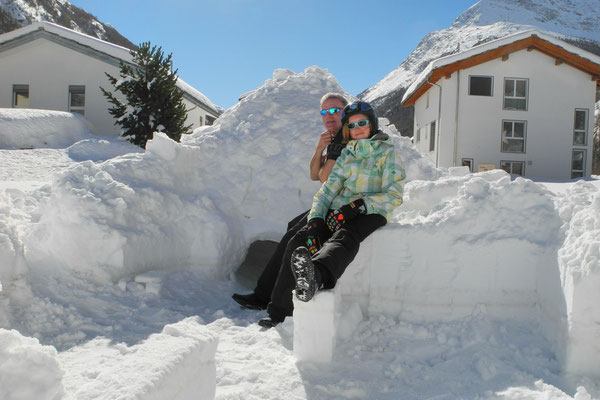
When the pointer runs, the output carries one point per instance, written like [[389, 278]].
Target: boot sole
[[304, 274], [247, 305]]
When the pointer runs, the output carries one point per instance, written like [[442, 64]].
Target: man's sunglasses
[[331, 110], [358, 124]]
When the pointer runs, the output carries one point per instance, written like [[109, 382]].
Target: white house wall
[[49, 68], [196, 115], [426, 112], [555, 91]]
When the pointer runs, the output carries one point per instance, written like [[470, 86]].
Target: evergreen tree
[[153, 102]]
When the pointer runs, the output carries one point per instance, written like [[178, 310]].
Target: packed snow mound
[[489, 234], [28, 370], [101, 149], [482, 207], [28, 128], [579, 261], [178, 363], [203, 200]]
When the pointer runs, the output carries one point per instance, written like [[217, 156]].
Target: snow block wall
[[22, 356], [481, 243], [459, 245], [579, 262], [178, 363]]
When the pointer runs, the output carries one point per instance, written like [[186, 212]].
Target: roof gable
[[530, 40]]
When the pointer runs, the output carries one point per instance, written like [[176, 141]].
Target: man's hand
[[337, 218], [324, 140]]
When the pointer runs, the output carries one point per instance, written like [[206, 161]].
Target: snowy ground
[[61, 214]]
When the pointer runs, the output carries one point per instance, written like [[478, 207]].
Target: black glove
[[337, 218], [317, 234], [334, 150]]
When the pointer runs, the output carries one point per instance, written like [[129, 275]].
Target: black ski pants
[[332, 259], [266, 281]]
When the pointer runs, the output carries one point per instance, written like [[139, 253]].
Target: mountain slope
[[18, 13], [575, 21]]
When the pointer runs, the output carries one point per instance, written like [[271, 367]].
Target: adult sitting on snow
[[320, 168], [363, 189]]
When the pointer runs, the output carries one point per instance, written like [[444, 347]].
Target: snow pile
[[204, 200], [22, 129], [22, 358], [579, 260], [178, 363], [101, 149], [480, 287]]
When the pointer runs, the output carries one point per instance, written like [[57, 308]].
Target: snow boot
[[269, 322], [305, 274], [250, 301]]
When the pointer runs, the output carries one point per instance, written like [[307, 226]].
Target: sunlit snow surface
[[108, 261]]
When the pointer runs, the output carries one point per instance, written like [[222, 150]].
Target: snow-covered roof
[[110, 49], [443, 66]]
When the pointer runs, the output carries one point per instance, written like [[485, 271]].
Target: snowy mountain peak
[[579, 18], [17, 13]]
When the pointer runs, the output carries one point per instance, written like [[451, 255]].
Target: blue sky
[[228, 47]]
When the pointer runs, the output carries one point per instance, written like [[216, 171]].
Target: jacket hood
[[371, 146]]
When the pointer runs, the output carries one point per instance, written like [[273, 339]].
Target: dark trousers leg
[[281, 304], [267, 279], [339, 251]]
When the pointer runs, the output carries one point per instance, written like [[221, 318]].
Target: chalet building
[[47, 66], [523, 103]]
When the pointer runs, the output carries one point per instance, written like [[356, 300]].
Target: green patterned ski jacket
[[369, 169]]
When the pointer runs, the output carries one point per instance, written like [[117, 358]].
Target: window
[[578, 164], [514, 136], [418, 135], [432, 136], [210, 119], [427, 101], [468, 162], [515, 94], [200, 121], [20, 96], [77, 99], [580, 127], [513, 167], [480, 85]]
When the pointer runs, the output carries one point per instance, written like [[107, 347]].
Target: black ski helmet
[[361, 107]]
